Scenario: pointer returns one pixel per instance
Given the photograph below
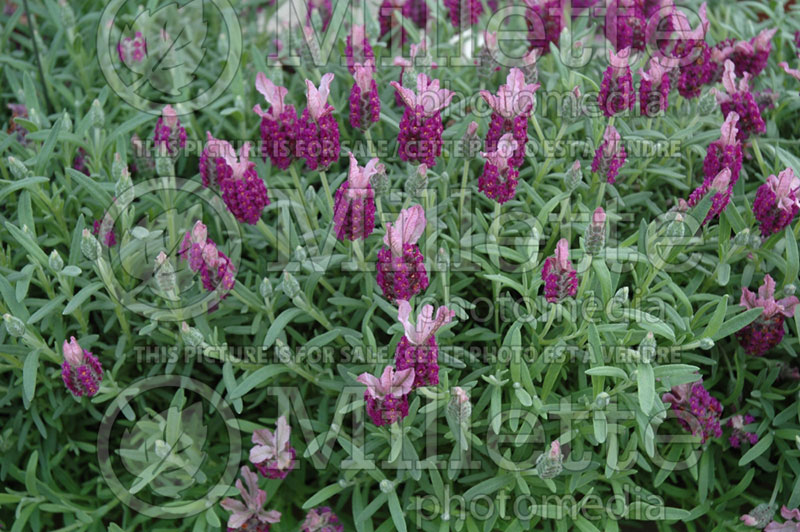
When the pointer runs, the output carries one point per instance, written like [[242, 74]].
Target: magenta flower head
[[726, 152], [387, 395], [401, 267], [695, 65], [792, 523], [418, 348], [697, 411], [325, 8], [464, 13], [105, 230], [271, 453], [216, 269], [616, 90], [318, 136], [354, 204], [767, 330], [795, 73], [738, 433], [721, 187], [279, 124], [421, 128], [511, 109], [655, 85], [610, 155], [776, 202], [499, 178], [321, 519], [625, 24], [243, 191], [559, 276], [132, 50], [169, 135], [750, 57], [545, 20], [391, 12], [365, 103], [740, 100], [249, 514], [357, 48], [81, 371]]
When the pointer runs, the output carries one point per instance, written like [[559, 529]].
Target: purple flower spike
[[767, 330], [616, 90], [697, 411], [354, 203], [610, 156], [418, 348], [559, 276], [249, 514], [387, 395], [401, 267], [279, 125], [421, 128], [81, 371], [321, 519], [271, 453], [776, 202]]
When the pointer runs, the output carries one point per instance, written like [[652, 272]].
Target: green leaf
[[256, 378], [43, 157], [608, 371], [27, 242], [717, 318], [648, 322], [792, 261], [737, 323], [29, 372], [646, 386], [280, 324], [30, 474], [322, 495], [398, 516], [757, 450], [78, 299]]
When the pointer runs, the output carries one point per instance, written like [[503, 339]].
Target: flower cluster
[[741, 101], [420, 136], [249, 514], [279, 124], [216, 269], [365, 103], [738, 432], [776, 202], [132, 49], [354, 203], [767, 330], [697, 411], [559, 276], [243, 191], [511, 109], [169, 134], [616, 90], [610, 155], [418, 349], [401, 267], [387, 396], [271, 453], [321, 519], [545, 20], [81, 371], [318, 131]]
